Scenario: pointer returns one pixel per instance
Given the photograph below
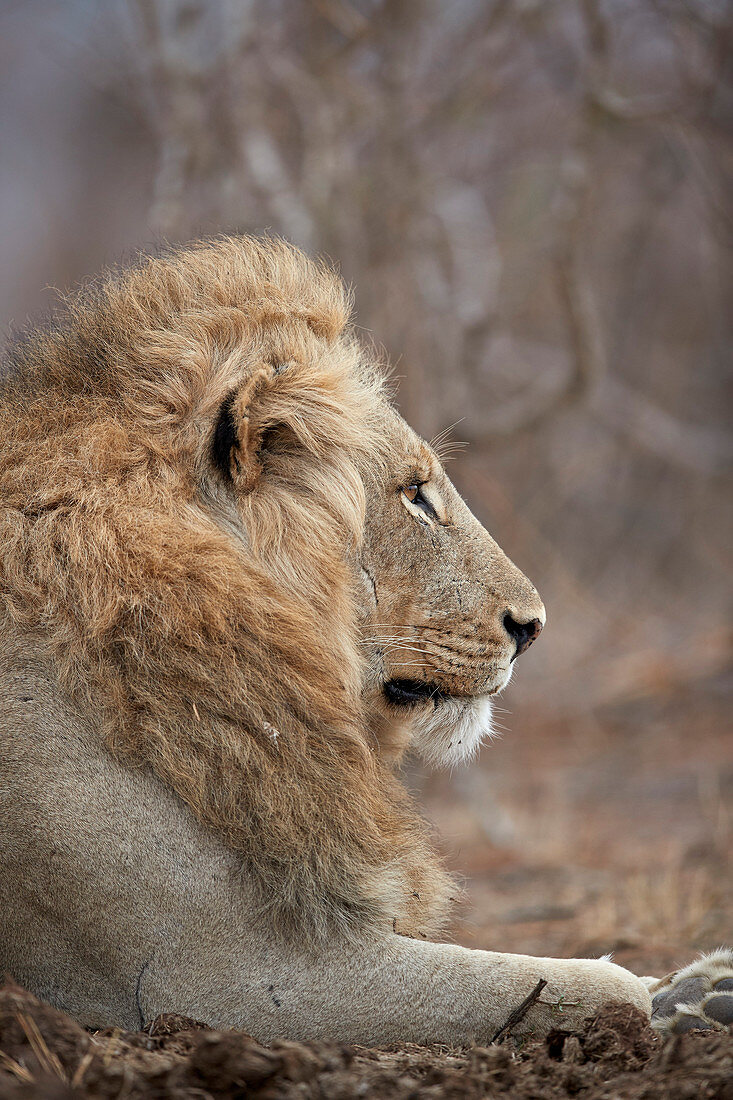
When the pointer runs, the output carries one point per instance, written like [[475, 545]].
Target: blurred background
[[531, 199]]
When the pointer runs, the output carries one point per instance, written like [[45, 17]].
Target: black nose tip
[[522, 633]]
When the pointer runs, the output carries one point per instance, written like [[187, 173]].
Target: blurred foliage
[[530, 200]]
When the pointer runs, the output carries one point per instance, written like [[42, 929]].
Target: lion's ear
[[239, 430]]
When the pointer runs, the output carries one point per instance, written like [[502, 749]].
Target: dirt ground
[[609, 831], [46, 1056]]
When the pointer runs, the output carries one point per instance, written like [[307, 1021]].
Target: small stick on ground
[[518, 1014]]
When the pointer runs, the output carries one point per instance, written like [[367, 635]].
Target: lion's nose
[[522, 633]]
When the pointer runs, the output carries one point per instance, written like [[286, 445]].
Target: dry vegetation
[[48, 1057]]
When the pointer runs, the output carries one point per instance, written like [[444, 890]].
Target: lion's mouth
[[412, 693], [408, 693]]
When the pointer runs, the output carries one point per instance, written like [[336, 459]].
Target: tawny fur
[[213, 575], [116, 541]]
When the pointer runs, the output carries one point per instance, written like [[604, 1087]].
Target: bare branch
[[630, 413]]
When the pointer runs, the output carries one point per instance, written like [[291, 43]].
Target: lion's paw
[[698, 997]]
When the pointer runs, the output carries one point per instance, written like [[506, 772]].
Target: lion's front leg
[[699, 996], [390, 989]]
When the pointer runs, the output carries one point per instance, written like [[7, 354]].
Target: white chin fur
[[452, 732]]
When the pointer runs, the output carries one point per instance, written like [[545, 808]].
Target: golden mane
[[216, 646]]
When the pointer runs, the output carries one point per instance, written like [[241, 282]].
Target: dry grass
[[48, 1062], [654, 907]]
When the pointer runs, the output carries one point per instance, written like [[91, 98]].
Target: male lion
[[234, 588]]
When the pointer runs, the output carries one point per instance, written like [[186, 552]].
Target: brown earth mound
[[46, 1055]]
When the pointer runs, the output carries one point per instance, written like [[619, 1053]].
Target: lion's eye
[[413, 494]]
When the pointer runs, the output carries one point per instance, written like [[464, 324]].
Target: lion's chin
[[452, 731]]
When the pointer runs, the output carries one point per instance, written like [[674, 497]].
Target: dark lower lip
[[409, 693]]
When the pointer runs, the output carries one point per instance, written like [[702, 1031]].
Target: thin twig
[[18, 1070], [47, 1059], [518, 1014], [81, 1069]]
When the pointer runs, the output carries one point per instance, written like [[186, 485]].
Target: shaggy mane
[[214, 640]]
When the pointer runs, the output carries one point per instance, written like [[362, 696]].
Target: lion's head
[[248, 571], [442, 612], [446, 612]]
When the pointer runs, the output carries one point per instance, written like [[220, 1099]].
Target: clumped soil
[[46, 1055]]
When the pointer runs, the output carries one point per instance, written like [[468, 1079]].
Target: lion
[[236, 589]]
